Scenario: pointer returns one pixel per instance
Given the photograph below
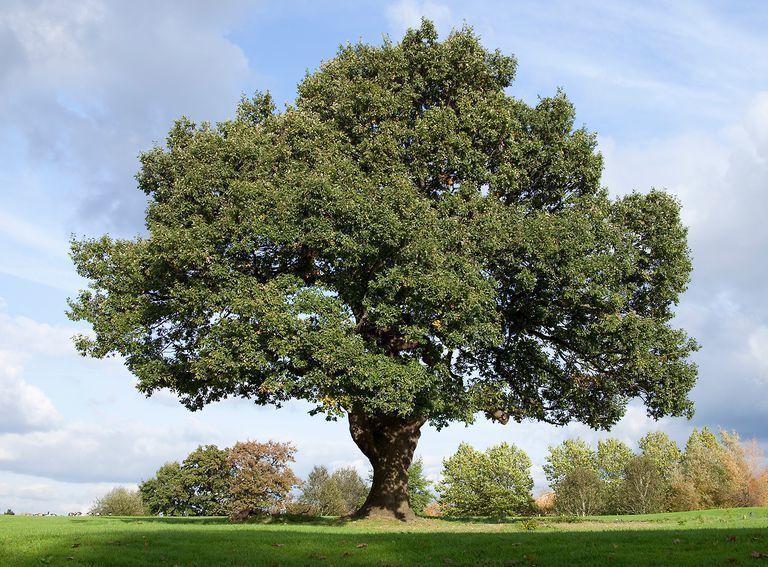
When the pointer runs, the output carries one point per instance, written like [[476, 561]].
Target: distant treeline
[[713, 471], [255, 478]]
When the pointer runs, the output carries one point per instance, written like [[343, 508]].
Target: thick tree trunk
[[389, 444]]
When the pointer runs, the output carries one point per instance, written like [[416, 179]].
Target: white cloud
[[32, 235], [87, 87], [25, 337], [408, 14], [116, 450], [23, 407], [721, 179]]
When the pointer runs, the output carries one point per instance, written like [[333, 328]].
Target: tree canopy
[[406, 243]]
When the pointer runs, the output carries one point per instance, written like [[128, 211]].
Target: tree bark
[[389, 444]]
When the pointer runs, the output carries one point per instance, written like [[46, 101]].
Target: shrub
[[119, 502], [545, 503], [432, 510], [494, 483], [337, 494]]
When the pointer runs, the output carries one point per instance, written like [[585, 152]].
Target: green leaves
[[337, 494], [494, 483], [406, 240], [420, 494]]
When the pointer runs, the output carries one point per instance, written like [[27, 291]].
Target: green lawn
[[715, 537]]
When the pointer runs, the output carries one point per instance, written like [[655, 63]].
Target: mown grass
[[714, 537]]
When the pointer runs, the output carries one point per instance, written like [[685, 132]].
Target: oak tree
[[407, 243]]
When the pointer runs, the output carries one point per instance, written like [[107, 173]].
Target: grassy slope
[[690, 538]]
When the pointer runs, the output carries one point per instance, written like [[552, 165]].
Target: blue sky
[[678, 93]]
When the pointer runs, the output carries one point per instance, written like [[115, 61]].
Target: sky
[[677, 92]]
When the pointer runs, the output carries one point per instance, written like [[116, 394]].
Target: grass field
[[714, 537]]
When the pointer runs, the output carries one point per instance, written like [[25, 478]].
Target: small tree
[[642, 490], [9, 512], [197, 487], [571, 454], [320, 496], [337, 494], [745, 463], [352, 487], [681, 493], [663, 452], [494, 483], [758, 472], [119, 502], [705, 465], [262, 478], [545, 503], [206, 475], [419, 493], [666, 457], [580, 492], [613, 456], [165, 493]]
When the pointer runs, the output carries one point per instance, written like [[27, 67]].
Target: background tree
[[663, 452], [580, 492], [420, 494], [337, 494], [681, 493], [352, 486], [613, 456], [197, 487], [569, 455], [745, 463], [758, 474], [642, 489], [206, 474], [262, 478], [406, 243], [321, 496], [165, 493], [118, 502], [705, 466], [494, 483], [666, 457]]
